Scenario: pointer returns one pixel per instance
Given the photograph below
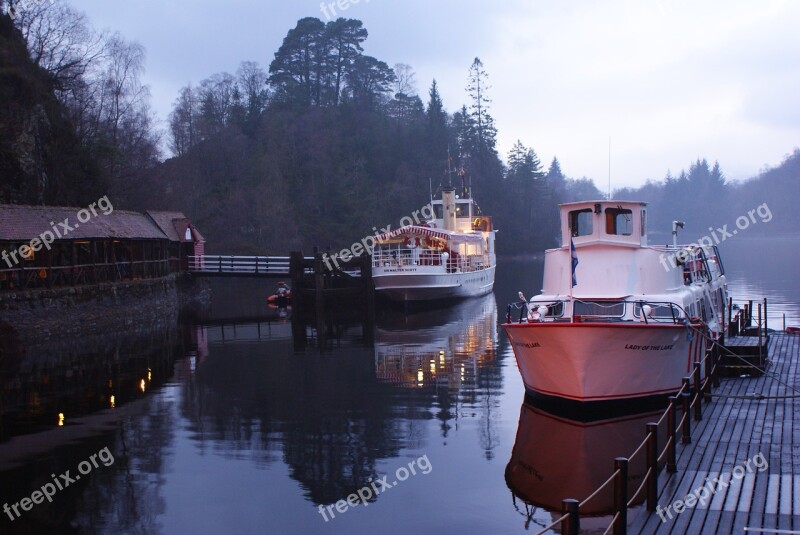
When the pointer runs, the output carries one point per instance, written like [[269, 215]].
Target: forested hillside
[[75, 119], [318, 147], [330, 142], [704, 199]]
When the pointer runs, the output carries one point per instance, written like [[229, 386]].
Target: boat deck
[[732, 432]]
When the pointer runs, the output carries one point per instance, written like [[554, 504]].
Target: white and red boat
[[449, 256], [617, 318]]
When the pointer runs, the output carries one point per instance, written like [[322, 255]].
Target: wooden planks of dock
[[734, 431]]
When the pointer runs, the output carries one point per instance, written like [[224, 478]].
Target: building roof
[[174, 224], [23, 223], [164, 221]]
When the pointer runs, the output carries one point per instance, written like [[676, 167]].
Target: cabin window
[[659, 311], [619, 222], [462, 209], [554, 310], [598, 308], [580, 222], [438, 210]]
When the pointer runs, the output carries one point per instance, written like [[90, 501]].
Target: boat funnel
[[449, 205]]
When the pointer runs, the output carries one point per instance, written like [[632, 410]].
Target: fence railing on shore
[[24, 277]]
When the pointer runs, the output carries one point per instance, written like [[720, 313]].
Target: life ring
[[793, 330]]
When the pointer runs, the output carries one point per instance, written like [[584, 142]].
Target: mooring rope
[[749, 365]]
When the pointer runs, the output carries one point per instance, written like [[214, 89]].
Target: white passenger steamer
[[450, 256]]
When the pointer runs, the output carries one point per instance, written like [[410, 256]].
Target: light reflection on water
[[240, 431]]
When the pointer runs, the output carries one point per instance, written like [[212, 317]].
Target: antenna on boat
[[609, 168], [449, 170], [430, 189]]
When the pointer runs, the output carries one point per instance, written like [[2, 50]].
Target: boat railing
[[600, 311], [408, 257]]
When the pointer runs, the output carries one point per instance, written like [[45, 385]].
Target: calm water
[[232, 427]]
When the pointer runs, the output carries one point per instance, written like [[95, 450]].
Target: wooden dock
[[735, 429]]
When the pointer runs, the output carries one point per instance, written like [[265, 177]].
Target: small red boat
[[275, 297], [282, 296]]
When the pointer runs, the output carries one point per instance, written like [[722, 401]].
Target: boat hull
[[410, 286], [601, 362]]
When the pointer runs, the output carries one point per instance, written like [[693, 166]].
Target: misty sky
[[667, 80]]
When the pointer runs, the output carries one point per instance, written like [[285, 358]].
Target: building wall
[[70, 312]]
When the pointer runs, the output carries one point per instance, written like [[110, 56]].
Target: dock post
[[709, 366], [686, 438], [671, 435], [319, 295], [760, 357], [730, 316], [698, 393], [572, 524], [652, 465], [717, 359], [369, 292], [621, 495], [766, 317], [296, 271]]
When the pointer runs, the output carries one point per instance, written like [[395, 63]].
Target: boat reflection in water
[[442, 348], [556, 458]]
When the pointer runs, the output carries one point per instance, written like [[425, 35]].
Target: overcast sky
[[667, 81]]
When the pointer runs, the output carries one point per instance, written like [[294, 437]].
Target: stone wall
[[131, 307]]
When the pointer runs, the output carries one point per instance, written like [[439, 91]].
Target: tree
[[369, 81], [183, 122], [437, 136], [405, 105], [405, 80], [252, 82], [218, 97], [131, 143], [479, 108], [296, 71], [340, 49], [60, 42]]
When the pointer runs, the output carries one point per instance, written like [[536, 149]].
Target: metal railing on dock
[[240, 265]]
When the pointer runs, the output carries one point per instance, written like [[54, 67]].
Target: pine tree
[[477, 89]]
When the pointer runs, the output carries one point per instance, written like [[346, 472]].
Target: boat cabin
[[611, 222], [458, 212]]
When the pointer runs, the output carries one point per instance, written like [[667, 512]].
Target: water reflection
[[58, 382], [556, 458], [69, 401], [438, 348], [331, 417], [448, 355]]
